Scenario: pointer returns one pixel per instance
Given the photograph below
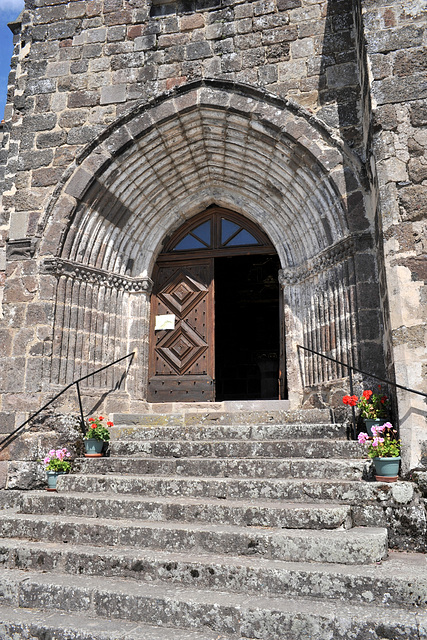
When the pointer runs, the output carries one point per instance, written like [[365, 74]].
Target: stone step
[[238, 512], [302, 431], [359, 545], [349, 469], [266, 617], [19, 623], [297, 490], [213, 416], [400, 580], [238, 448]]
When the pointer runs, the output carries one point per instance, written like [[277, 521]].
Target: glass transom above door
[[217, 232]]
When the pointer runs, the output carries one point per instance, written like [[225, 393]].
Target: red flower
[[110, 424], [101, 417], [367, 394], [93, 426], [350, 400], [383, 399], [91, 419]]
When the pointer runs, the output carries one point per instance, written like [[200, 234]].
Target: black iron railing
[[17, 432], [352, 369]]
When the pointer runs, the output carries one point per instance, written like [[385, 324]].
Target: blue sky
[[9, 10]]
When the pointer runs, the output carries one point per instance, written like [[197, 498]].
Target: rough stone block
[[198, 50], [79, 183], [413, 200], [80, 99], [144, 43], [405, 37], [400, 89], [12, 374], [113, 94], [418, 114], [41, 122], [61, 30], [51, 139]]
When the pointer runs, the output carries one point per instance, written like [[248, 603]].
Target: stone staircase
[[211, 527]]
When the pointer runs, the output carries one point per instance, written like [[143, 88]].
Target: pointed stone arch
[[208, 143]]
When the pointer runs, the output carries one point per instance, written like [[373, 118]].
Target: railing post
[[82, 419], [353, 411]]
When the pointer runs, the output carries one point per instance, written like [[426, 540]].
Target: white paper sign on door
[[165, 322]]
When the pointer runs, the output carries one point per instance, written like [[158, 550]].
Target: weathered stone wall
[[395, 34], [109, 147]]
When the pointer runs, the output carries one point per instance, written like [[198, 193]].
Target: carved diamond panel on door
[[181, 359]]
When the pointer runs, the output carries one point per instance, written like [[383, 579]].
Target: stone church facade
[[146, 144]]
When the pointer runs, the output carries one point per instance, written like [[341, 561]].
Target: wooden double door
[[215, 320]]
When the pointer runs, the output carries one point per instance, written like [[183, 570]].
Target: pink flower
[[362, 438], [376, 441], [46, 460]]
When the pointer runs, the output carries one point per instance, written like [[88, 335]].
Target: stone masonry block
[[393, 39], [118, 141], [97, 159], [18, 225], [46, 15], [190, 22], [41, 122], [198, 50], [76, 9], [6, 337], [163, 111], [112, 94], [12, 373], [4, 466], [61, 30], [341, 75], [302, 48], [82, 135], [281, 34], [186, 101], [400, 89], [413, 200], [83, 99], [37, 86], [419, 114], [79, 183], [139, 124], [51, 139], [144, 43], [57, 69]]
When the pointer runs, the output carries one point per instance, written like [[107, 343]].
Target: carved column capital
[[60, 267]]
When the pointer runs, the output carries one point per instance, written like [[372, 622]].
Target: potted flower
[[56, 465], [384, 449], [96, 435], [373, 407]]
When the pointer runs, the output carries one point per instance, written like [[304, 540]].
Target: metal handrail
[[11, 436], [352, 368]]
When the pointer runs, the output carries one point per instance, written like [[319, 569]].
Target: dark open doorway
[[247, 330]]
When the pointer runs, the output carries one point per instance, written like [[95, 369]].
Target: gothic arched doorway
[[215, 313]]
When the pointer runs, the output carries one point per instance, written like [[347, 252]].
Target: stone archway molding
[[280, 125]]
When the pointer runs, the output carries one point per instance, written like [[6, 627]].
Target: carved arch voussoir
[[275, 115]]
